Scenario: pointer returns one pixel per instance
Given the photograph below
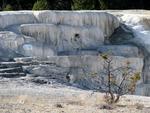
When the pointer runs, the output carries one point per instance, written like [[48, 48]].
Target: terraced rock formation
[[42, 46]]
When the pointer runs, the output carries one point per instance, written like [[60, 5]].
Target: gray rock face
[[57, 31], [13, 28], [143, 89], [10, 40], [122, 35], [138, 22], [146, 77], [9, 44], [36, 49], [48, 71], [101, 20], [79, 69], [121, 50], [48, 34], [13, 18], [79, 52], [64, 37]]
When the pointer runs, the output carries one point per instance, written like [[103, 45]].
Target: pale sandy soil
[[19, 97]]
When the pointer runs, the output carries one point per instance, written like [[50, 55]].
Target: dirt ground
[[80, 102], [19, 97]]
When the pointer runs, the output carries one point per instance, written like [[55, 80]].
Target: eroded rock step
[[11, 70], [16, 69], [121, 50], [12, 75], [17, 64], [67, 69]]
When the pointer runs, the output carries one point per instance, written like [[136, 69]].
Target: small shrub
[[107, 107], [113, 81], [139, 106], [8, 8], [59, 106], [40, 5], [115, 88]]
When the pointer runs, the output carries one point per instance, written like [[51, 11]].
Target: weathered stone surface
[[10, 40], [72, 33], [13, 28], [120, 50], [122, 35], [143, 89], [36, 49], [80, 18], [13, 45], [9, 44], [65, 37], [146, 69], [79, 69], [9, 70], [48, 71], [28, 39], [54, 36], [79, 52], [139, 22], [6, 54], [27, 59], [12, 75], [13, 18]]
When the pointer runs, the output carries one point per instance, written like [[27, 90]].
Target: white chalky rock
[[64, 37], [106, 22], [14, 18]]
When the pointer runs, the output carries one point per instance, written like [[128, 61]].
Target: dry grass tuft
[[139, 106], [59, 106]]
